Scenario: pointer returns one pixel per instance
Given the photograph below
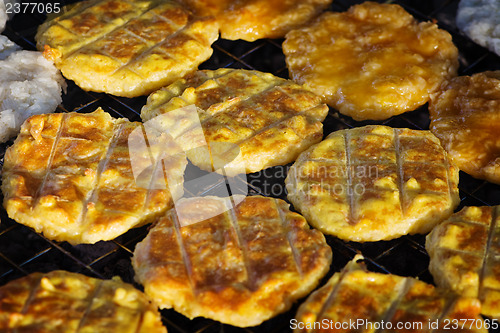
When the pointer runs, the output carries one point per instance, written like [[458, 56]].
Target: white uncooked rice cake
[[480, 20], [29, 85]]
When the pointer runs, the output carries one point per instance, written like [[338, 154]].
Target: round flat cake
[[374, 183], [266, 119], [66, 302], [356, 300], [464, 255], [255, 19], [373, 61], [465, 116], [480, 20], [126, 48], [70, 177], [239, 264]]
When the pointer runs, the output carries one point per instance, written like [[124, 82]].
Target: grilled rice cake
[[254, 19], [373, 300], [271, 120], [69, 176], [61, 301], [374, 183], [464, 255], [126, 48], [240, 267], [371, 62], [465, 116]]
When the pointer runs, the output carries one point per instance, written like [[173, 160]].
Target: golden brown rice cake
[[465, 251], [61, 301], [364, 301], [465, 116], [69, 176], [371, 62], [240, 267], [271, 120], [374, 183], [254, 19], [126, 48]]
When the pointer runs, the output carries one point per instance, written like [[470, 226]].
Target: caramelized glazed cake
[[241, 265], [69, 176], [373, 61], [126, 48], [464, 252], [465, 116], [374, 183], [63, 302]]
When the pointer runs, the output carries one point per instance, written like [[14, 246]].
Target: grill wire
[[22, 251]]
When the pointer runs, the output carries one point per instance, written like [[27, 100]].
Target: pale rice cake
[[63, 302], [126, 48], [465, 116], [271, 120], [373, 61], [240, 267], [374, 183], [464, 255], [255, 19], [480, 21], [70, 177], [365, 301]]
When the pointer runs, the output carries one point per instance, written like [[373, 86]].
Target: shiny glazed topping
[[464, 252], [255, 19], [371, 62]]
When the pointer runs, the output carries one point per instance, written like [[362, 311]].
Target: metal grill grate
[[23, 251]]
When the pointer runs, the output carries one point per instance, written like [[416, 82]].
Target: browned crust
[[374, 183], [126, 48], [270, 119], [464, 253], [465, 116], [240, 267], [61, 301]]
